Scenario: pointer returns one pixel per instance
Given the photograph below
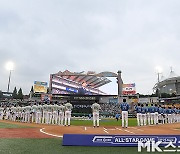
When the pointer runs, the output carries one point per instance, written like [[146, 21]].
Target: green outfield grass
[[103, 122], [6, 125]]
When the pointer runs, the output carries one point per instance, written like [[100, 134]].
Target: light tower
[[9, 67]]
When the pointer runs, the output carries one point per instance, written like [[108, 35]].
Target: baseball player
[[1, 112], [49, 114], [178, 115], [156, 114], [38, 113], [8, 113], [27, 113], [44, 114], [143, 115], [95, 111], [174, 114], [55, 113], [33, 110], [61, 109], [148, 114], [164, 115], [138, 111], [160, 114], [124, 108], [13, 113], [152, 114], [169, 115], [68, 109]]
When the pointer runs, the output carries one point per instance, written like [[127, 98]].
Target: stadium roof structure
[[91, 78], [172, 78]]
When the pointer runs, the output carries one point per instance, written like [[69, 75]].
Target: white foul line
[[105, 130], [41, 130], [118, 128], [129, 131], [136, 128]]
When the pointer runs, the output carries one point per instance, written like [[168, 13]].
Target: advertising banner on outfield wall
[[129, 89], [40, 87]]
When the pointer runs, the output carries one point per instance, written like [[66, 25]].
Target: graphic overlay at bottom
[[121, 140]]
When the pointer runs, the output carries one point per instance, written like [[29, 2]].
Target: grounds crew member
[[95, 111], [124, 108]]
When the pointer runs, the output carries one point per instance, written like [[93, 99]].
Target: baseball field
[[18, 138]]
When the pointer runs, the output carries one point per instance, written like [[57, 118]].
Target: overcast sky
[[47, 36]]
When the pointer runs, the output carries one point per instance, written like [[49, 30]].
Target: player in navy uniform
[[169, 115], [152, 114], [138, 111], [148, 114], [156, 114], [124, 108], [160, 114], [143, 113]]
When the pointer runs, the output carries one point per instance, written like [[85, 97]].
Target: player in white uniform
[[55, 113], [27, 113], [38, 113], [33, 112], [1, 113], [95, 111], [68, 109], [61, 109], [44, 116], [49, 114], [23, 113], [14, 112], [8, 113], [20, 113]]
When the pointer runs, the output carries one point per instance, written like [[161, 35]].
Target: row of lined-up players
[[155, 114], [45, 113]]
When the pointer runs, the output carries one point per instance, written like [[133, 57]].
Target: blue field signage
[[119, 140]]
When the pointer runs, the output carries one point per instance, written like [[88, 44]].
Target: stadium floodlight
[[9, 67], [158, 69]]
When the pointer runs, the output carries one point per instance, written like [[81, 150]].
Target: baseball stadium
[[171, 86], [37, 126]]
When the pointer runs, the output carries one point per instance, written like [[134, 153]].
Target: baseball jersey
[[155, 109], [1, 109], [138, 109], [144, 110], [68, 107], [160, 110], [152, 109], [45, 107], [96, 107], [169, 111], [124, 106], [34, 108], [55, 107], [61, 108], [38, 108]]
